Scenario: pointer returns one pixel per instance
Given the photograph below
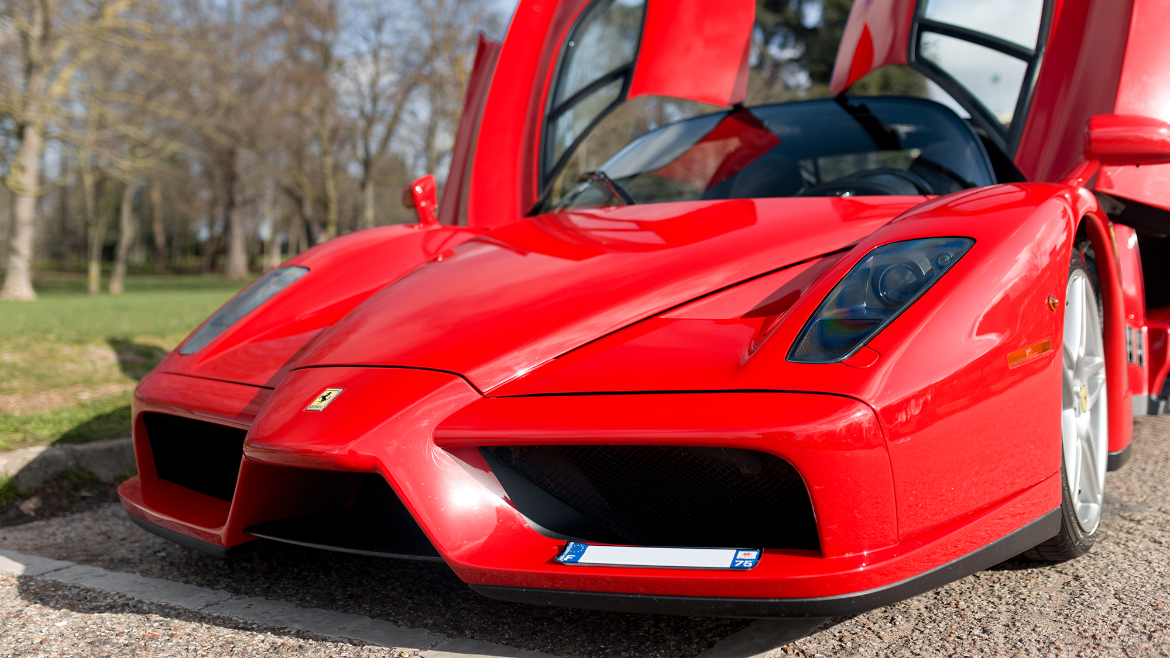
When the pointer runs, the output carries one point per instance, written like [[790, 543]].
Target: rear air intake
[[198, 455], [679, 496]]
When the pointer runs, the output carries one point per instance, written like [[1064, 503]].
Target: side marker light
[[1025, 355]]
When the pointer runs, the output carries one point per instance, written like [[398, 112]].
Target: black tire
[[1072, 541]]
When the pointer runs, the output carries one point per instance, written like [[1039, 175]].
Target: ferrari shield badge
[[323, 399]]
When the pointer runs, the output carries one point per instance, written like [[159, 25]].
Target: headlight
[[252, 297], [879, 288]]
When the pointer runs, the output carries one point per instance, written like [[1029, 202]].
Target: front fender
[[260, 348]]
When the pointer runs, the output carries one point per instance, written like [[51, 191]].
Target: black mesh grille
[[674, 495], [198, 455]]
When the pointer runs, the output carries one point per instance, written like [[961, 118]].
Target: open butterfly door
[[1031, 73], [562, 67]]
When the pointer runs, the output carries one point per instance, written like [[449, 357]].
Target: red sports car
[[797, 359]]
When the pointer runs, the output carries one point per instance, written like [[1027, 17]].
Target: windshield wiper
[[598, 176]]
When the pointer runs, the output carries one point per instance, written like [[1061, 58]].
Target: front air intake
[[679, 496], [198, 455]]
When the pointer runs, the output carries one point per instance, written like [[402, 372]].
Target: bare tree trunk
[[125, 238], [18, 278], [298, 230], [5, 222], [237, 259], [330, 176], [367, 196], [95, 227], [272, 259], [274, 246], [179, 244], [65, 243], [157, 227]]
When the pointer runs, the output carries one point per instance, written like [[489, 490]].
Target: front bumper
[[421, 430]]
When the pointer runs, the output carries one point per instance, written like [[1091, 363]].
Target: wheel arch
[[1101, 238]]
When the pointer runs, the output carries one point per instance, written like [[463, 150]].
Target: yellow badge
[[323, 399]]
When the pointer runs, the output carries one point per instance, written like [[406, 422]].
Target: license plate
[[580, 553]]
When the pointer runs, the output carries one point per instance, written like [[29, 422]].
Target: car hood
[[501, 304]]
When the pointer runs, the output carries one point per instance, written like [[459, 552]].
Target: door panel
[[453, 209], [1144, 89], [877, 34], [695, 50], [543, 99], [1077, 80]]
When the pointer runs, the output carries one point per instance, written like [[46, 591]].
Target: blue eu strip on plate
[[580, 553]]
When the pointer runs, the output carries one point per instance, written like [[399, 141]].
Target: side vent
[[198, 455]]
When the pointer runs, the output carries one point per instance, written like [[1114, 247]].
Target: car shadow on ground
[[136, 359]]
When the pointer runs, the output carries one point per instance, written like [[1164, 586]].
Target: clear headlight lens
[[252, 297], [879, 288]]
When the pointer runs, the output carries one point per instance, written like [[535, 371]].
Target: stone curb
[[255, 609], [29, 467]]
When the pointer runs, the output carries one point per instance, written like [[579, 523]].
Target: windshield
[[823, 148]]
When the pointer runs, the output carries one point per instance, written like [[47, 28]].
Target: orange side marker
[[1026, 355]]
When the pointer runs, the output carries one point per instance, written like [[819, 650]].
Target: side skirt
[[1001, 550], [1117, 460]]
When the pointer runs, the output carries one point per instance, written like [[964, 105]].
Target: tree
[[55, 39]]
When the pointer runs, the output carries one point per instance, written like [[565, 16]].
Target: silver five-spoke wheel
[[1083, 423]]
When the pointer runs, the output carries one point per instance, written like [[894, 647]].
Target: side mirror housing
[[422, 196], [1127, 139]]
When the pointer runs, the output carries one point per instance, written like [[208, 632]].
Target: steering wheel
[[877, 181]]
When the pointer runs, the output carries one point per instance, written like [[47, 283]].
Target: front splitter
[[1001, 550]]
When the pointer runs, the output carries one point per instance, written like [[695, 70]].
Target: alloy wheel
[[1083, 417]]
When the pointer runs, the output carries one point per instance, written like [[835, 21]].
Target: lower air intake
[[198, 455], [678, 496]]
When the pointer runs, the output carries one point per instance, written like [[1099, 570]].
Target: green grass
[[67, 343], [90, 421], [161, 306], [9, 493]]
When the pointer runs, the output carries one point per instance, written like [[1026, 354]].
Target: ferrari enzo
[[795, 359]]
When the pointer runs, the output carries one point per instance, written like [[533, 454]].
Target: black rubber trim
[[189, 542], [1001, 550], [259, 532], [1117, 460]]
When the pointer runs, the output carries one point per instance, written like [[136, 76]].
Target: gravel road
[[1113, 602], [48, 619]]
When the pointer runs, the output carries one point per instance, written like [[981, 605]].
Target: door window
[[992, 77], [1017, 21], [593, 76], [985, 54]]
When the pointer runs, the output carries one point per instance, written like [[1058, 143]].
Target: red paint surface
[[710, 65], [545, 285], [343, 273], [1125, 139], [877, 34], [1144, 89], [453, 210]]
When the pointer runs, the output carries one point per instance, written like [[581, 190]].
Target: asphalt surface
[[48, 619], [1113, 602]]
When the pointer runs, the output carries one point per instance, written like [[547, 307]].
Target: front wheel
[[1084, 425]]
